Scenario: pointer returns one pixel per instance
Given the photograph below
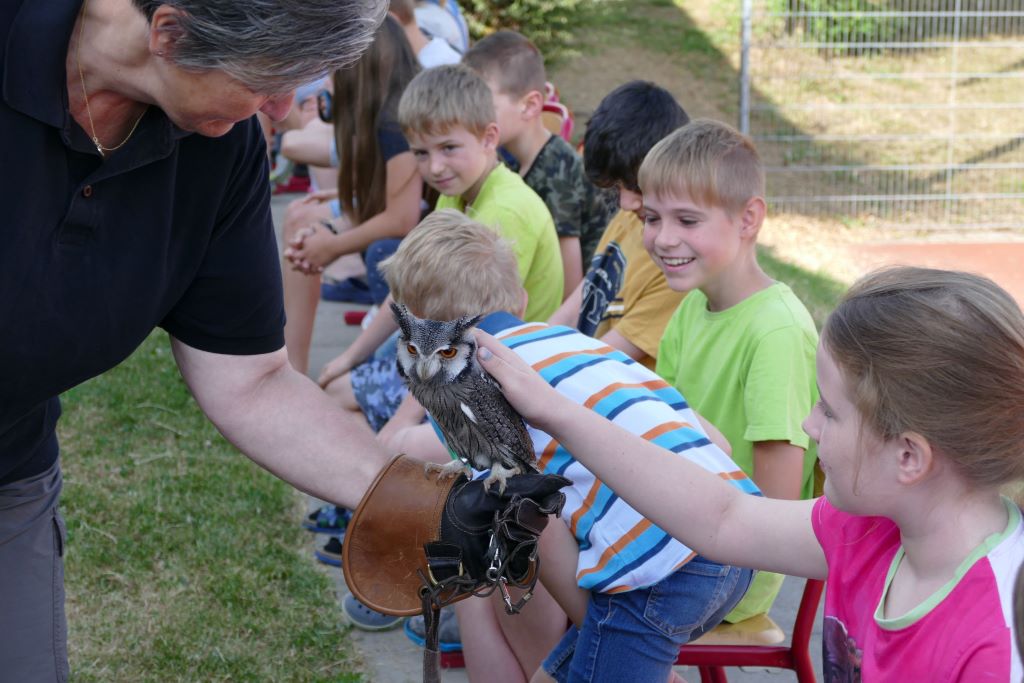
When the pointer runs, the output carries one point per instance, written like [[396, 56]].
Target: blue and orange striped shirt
[[620, 550]]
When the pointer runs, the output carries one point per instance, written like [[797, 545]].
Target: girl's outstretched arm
[[694, 505]]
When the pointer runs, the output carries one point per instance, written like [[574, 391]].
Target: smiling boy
[[447, 115], [740, 346]]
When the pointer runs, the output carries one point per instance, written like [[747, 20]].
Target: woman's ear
[[165, 30]]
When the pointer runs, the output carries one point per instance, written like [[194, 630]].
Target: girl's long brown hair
[[366, 94], [940, 353]]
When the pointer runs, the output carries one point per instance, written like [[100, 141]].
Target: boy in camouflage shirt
[[514, 70]]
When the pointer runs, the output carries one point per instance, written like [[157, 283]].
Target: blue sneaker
[[331, 552], [351, 290], [328, 519], [362, 617], [447, 631]]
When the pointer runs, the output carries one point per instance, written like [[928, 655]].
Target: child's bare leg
[[488, 655], [560, 553], [533, 633], [301, 291]]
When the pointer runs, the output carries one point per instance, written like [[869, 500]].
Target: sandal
[[362, 617], [331, 552]]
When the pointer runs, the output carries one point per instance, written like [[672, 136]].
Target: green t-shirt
[[749, 370], [506, 203]]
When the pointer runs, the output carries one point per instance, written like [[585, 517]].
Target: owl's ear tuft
[[466, 322], [402, 316]]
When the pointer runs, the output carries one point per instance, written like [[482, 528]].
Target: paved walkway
[[389, 657]]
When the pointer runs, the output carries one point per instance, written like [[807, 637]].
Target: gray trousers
[[33, 628]]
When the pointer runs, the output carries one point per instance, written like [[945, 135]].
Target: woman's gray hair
[[272, 46]]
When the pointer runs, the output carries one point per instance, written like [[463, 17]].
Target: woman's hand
[[526, 390]]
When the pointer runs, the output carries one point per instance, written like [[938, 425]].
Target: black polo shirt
[[174, 230]]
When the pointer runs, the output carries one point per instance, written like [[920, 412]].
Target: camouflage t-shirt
[[578, 208]]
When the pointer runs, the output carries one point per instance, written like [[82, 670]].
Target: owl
[[437, 361]]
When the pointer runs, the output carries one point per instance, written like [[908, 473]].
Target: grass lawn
[[185, 562]]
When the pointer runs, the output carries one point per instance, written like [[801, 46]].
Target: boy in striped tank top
[[633, 593]]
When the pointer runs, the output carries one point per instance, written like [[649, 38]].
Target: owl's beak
[[425, 371]]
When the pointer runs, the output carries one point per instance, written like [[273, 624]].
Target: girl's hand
[[311, 250], [526, 390], [293, 252]]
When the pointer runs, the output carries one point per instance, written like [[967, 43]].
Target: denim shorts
[[635, 636]]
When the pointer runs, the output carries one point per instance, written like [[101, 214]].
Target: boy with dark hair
[[624, 299], [513, 68]]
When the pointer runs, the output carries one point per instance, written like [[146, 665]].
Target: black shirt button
[[87, 191]]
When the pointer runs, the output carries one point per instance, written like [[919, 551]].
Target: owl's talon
[[499, 473], [451, 469]]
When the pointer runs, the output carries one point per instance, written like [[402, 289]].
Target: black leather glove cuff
[[482, 531]]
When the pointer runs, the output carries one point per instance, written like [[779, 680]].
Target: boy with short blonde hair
[[447, 114], [513, 68], [621, 564], [740, 346], [424, 280]]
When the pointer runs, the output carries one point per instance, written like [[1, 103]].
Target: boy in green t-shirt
[[447, 115], [513, 69], [740, 346]]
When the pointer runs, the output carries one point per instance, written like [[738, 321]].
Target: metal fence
[[906, 112]]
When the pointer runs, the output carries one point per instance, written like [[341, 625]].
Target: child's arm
[[614, 338], [406, 433], [369, 340], [779, 469], [401, 213], [561, 553], [310, 144], [572, 263], [695, 506], [569, 312]]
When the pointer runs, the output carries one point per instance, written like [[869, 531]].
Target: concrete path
[[389, 657]]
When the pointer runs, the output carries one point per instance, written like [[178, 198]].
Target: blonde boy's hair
[[443, 97], [449, 266], [940, 353], [712, 163]]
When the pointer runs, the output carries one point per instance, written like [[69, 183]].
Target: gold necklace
[[88, 112]]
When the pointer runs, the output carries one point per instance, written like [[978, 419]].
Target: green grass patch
[[817, 291], [185, 562]]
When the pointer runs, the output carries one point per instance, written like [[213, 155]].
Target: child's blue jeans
[[635, 636]]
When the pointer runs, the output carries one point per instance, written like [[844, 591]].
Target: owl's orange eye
[[411, 349], [448, 352]]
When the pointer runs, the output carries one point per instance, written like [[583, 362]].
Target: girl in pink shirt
[[921, 419]]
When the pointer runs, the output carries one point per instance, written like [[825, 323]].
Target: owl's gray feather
[[437, 360]]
